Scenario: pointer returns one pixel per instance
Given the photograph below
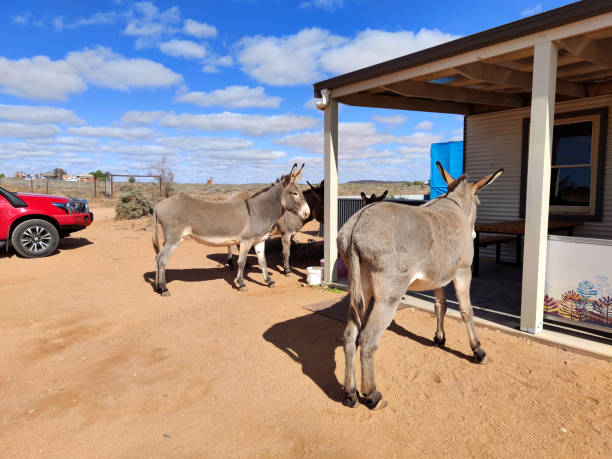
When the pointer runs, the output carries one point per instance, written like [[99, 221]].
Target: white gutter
[[324, 102]]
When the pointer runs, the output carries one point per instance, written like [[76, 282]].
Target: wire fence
[[94, 189]]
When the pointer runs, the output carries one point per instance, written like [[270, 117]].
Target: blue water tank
[[450, 155]]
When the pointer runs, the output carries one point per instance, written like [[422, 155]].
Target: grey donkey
[[390, 248], [289, 223], [246, 222]]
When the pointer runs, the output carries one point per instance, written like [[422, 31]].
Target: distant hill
[[374, 182], [370, 182]]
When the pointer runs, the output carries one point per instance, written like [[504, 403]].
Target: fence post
[[31, 183], [111, 177], [95, 187], [47, 183]]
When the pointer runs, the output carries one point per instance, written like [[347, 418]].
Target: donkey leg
[[440, 337], [230, 259], [462, 288], [286, 239], [260, 250], [245, 246], [350, 345], [380, 318], [164, 255]]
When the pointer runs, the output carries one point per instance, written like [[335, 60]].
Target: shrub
[[132, 205]]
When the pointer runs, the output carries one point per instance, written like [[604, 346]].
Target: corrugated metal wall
[[495, 140], [347, 206]]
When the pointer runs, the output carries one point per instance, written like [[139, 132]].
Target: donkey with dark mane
[[289, 223], [246, 222], [390, 248]]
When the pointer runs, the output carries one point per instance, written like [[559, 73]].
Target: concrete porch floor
[[496, 301]]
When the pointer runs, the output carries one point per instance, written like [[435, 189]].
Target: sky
[[220, 88]]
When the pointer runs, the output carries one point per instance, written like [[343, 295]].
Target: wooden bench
[[498, 240]]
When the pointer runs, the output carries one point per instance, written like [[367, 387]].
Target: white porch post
[[330, 149], [538, 186]]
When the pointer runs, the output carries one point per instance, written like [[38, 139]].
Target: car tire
[[35, 238]]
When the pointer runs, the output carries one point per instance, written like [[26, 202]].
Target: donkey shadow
[[312, 341], [202, 274], [275, 263]]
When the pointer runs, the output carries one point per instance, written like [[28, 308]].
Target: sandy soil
[[94, 363]]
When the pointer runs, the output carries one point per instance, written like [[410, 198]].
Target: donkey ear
[[290, 175], [299, 174], [313, 189], [384, 195], [485, 181], [445, 175], [363, 196]]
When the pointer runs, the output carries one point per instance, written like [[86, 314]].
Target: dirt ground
[[95, 364]]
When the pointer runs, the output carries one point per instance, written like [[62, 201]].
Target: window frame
[[599, 118]]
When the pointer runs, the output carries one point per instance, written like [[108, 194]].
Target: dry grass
[[212, 192]]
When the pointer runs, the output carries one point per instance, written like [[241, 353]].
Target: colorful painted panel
[[579, 280]]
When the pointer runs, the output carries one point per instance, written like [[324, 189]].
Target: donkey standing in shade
[[289, 223], [246, 222], [390, 248]]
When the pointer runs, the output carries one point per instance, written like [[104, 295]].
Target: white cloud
[[231, 96], [109, 17], [257, 125], [373, 46], [27, 18], [420, 139], [58, 23], [104, 68], [425, 125], [146, 22], [253, 155], [457, 135], [39, 78], [353, 138], [18, 130], [199, 29], [38, 114], [183, 48], [327, 5], [394, 120], [137, 149], [531, 11], [139, 117], [214, 62], [205, 143], [112, 132], [286, 61], [314, 53]]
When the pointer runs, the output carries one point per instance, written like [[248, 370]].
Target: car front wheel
[[35, 238]]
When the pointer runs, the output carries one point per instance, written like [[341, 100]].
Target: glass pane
[[570, 186], [572, 144]]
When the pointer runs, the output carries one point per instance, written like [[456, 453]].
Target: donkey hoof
[[271, 283], [374, 401], [440, 341], [480, 356], [286, 272], [243, 288], [165, 293], [350, 400]]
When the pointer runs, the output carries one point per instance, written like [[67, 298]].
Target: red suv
[[33, 223]]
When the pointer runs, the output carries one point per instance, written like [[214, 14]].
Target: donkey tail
[[356, 295], [155, 238]]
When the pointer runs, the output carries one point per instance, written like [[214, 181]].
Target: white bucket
[[314, 275]]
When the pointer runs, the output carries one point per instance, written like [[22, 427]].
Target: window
[[576, 179]]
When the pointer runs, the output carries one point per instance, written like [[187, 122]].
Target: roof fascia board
[[556, 33]]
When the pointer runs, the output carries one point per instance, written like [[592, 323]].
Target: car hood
[[38, 196]]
